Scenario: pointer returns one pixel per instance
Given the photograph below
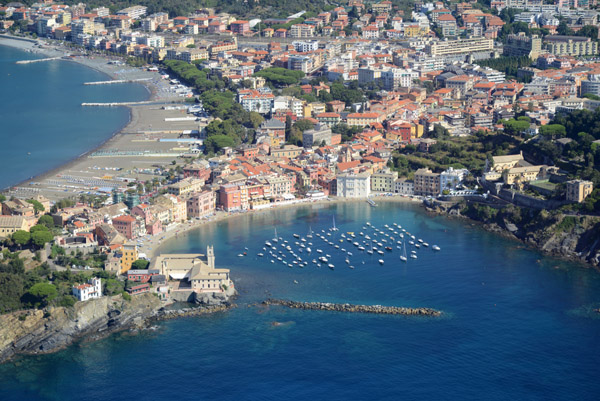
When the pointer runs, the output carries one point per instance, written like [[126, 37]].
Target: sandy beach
[[146, 143]]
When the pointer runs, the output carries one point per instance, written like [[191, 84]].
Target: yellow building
[[517, 175], [10, 224], [578, 190], [186, 186], [130, 255], [289, 151]]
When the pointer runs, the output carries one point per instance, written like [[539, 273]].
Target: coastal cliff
[[46, 331], [562, 235]]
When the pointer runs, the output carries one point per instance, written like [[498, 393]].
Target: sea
[[43, 124], [516, 325]]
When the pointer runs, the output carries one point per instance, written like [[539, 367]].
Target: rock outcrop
[[46, 331], [377, 309], [573, 237]]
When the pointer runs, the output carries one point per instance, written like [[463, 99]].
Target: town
[[486, 101]]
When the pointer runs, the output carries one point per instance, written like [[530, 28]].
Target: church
[[196, 270]]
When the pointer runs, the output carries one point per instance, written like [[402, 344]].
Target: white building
[[451, 178], [353, 185], [304, 46], [404, 187], [93, 289]]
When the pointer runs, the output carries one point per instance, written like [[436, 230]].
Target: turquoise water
[[43, 123], [515, 324]]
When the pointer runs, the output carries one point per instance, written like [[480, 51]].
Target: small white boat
[[352, 267], [319, 251], [380, 252], [331, 266], [296, 235], [261, 255], [267, 243], [436, 248], [425, 244], [347, 261], [420, 240], [413, 255], [381, 261], [308, 249], [272, 261], [240, 255], [417, 246]]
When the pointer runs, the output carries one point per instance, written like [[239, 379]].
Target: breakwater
[[166, 314], [39, 60], [117, 81], [350, 308]]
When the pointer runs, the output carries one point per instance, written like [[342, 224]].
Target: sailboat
[[309, 235], [403, 256], [275, 238], [334, 228]]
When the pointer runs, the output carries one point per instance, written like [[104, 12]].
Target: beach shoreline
[[153, 244], [30, 45], [128, 137]]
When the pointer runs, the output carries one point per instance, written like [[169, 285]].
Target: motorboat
[[381, 261], [436, 248]]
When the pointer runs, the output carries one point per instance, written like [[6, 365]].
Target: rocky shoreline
[[35, 332], [570, 237], [350, 308]]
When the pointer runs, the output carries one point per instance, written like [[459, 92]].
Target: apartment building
[[351, 185], [427, 183], [384, 180]]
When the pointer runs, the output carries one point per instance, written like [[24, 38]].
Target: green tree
[[140, 264], [304, 125], [216, 143], [255, 119], [47, 221], [2, 198], [37, 206], [11, 291], [21, 237], [40, 238], [41, 294]]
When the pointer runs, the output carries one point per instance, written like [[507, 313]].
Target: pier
[[117, 81], [377, 309], [39, 60]]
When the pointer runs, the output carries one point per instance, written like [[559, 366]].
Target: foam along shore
[[350, 308]]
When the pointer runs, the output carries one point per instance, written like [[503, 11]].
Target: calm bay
[[516, 324]]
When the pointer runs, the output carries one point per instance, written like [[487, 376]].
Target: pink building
[[125, 225], [239, 27]]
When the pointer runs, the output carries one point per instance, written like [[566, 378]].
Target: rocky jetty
[[166, 314], [350, 308]]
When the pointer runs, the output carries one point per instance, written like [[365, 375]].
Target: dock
[[38, 60], [117, 81]]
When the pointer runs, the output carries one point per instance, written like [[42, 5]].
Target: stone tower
[[210, 257]]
